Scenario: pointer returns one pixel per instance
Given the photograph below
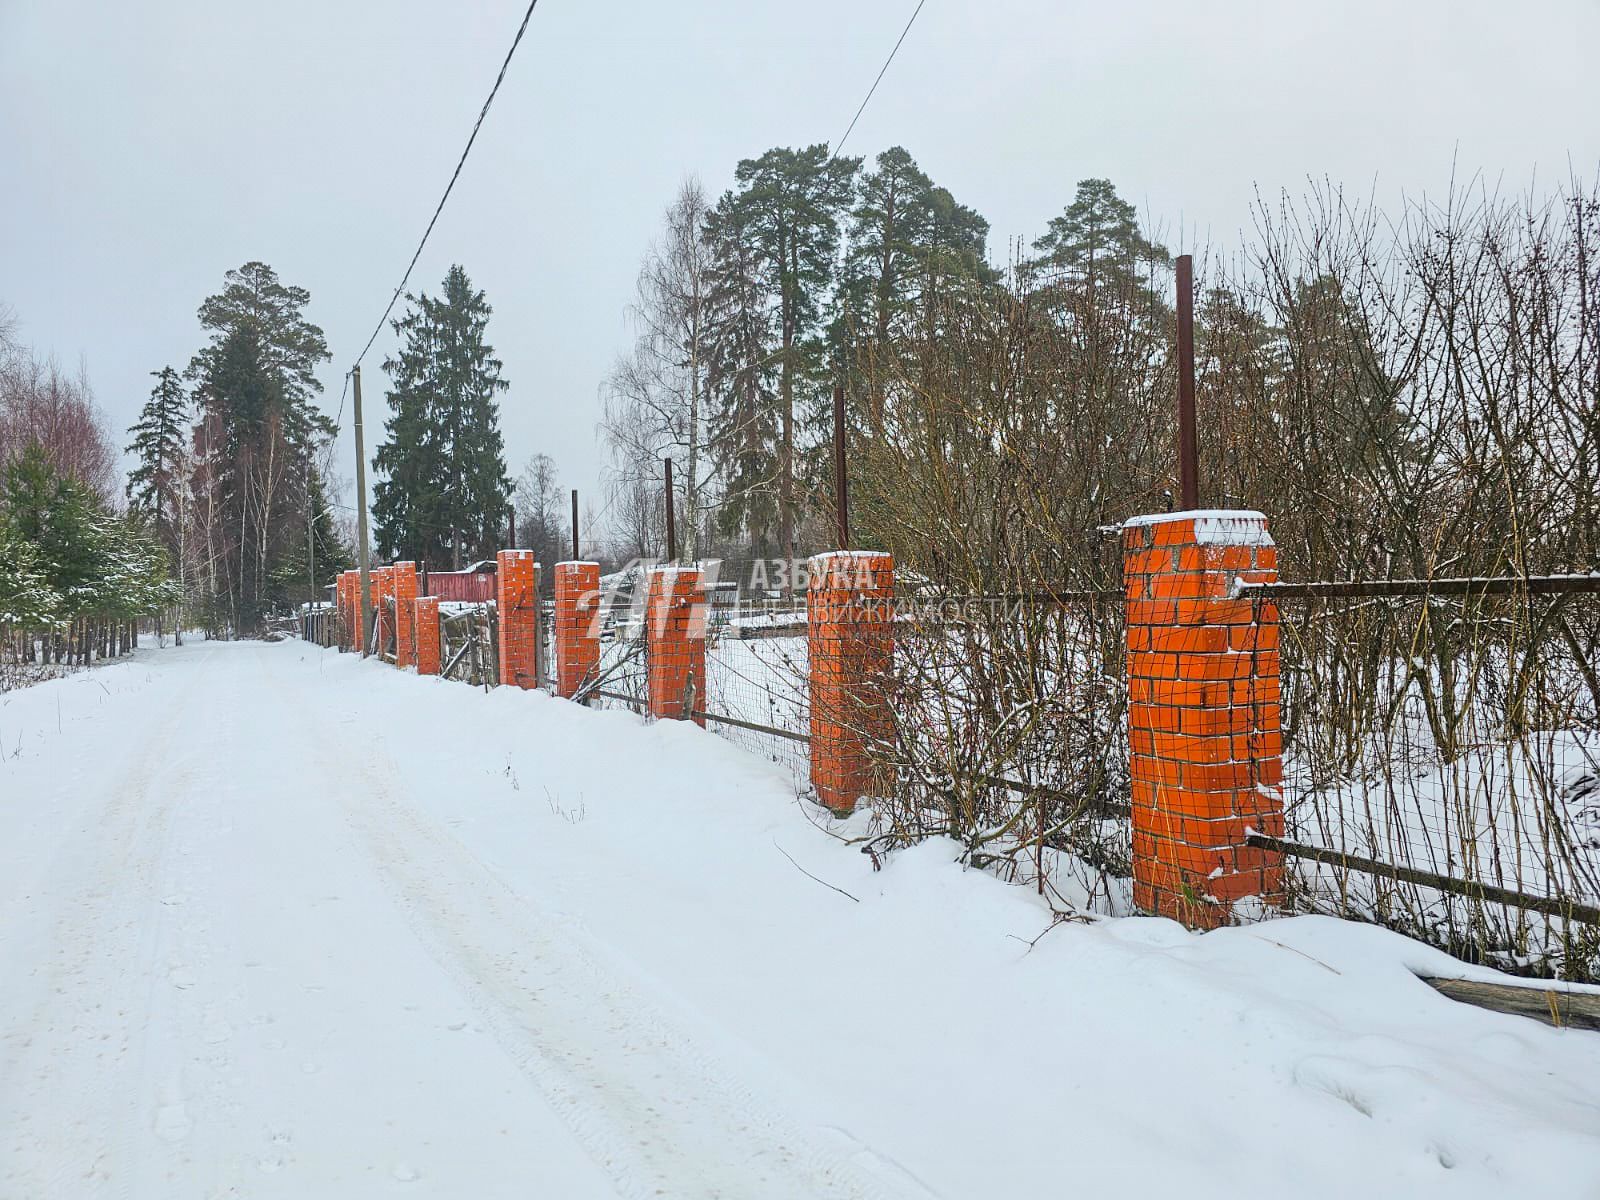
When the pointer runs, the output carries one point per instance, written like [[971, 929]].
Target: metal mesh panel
[[1442, 770], [624, 680], [757, 692]]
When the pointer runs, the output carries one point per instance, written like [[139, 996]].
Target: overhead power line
[[839, 145], [454, 175]]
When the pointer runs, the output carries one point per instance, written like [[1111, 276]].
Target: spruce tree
[[27, 601], [157, 446], [741, 378], [59, 516], [443, 494]]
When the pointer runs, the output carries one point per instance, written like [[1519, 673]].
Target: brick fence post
[[352, 611], [675, 643], [341, 603], [404, 587], [352, 614], [384, 583], [577, 625], [1203, 714], [425, 624], [850, 645], [516, 599]]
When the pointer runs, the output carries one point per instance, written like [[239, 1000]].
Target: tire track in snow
[[106, 886], [653, 1108]]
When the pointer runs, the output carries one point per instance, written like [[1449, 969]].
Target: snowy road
[[279, 923]]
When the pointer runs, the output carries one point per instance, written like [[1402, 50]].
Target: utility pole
[[311, 557], [672, 528], [574, 524], [361, 520], [1188, 442]]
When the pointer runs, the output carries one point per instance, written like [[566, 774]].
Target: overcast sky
[[145, 148]]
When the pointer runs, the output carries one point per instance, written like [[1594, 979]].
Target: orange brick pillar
[[577, 625], [850, 644], [425, 624], [341, 600], [675, 643], [373, 592], [404, 586], [1203, 714], [516, 598], [383, 584], [352, 610]]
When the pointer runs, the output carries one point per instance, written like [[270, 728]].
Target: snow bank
[[295, 924]]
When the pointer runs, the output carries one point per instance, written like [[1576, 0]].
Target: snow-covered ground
[[276, 922]]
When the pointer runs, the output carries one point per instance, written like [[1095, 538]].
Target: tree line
[[1403, 392], [230, 459], [75, 573]]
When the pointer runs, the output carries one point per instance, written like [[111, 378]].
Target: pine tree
[[1099, 293], [788, 204], [260, 432], [907, 238], [158, 444], [290, 346], [443, 491], [1096, 243], [912, 251]]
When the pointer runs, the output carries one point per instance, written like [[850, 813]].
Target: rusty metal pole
[[841, 479], [672, 527], [574, 524], [1188, 442]]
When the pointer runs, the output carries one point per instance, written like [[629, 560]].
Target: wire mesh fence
[[758, 693], [1442, 769], [623, 678]]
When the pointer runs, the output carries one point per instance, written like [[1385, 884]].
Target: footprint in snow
[[173, 1123], [216, 1029]]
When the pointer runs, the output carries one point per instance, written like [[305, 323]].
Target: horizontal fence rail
[[1489, 893], [1490, 585]]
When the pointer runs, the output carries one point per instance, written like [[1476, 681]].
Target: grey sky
[[147, 148]]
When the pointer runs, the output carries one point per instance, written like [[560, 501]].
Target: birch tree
[[656, 396]]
